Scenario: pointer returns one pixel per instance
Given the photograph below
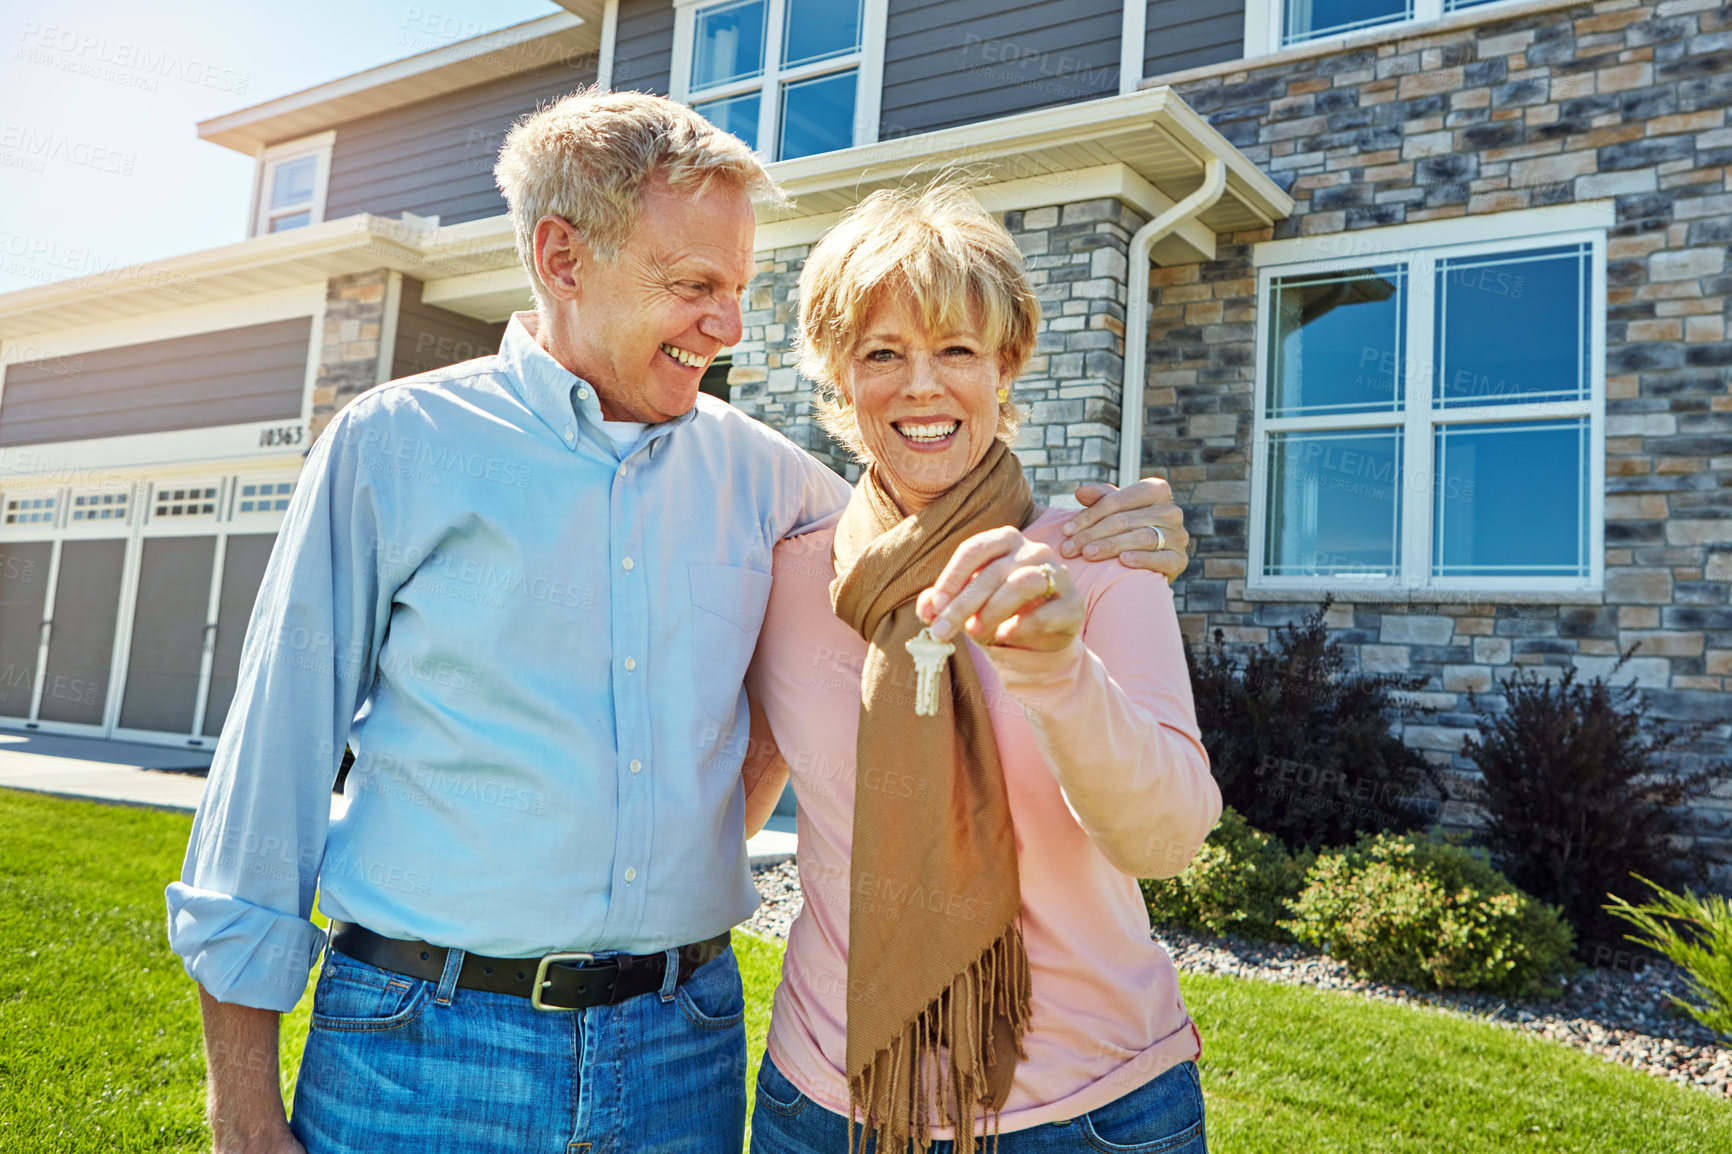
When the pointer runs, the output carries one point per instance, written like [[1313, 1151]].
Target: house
[[1418, 303]]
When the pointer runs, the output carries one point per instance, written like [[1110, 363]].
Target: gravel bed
[[779, 886], [1622, 1016]]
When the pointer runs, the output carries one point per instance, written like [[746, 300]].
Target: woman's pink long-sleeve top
[[1108, 782]]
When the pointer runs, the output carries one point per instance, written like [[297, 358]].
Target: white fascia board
[[1151, 109], [352, 244], [1403, 238], [501, 53], [306, 300], [1193, 241]]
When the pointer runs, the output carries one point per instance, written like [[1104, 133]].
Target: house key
[[929, 654]]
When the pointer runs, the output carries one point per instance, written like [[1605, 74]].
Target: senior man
[[525, 588]]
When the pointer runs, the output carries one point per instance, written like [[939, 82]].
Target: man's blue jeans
[[397, 1064]]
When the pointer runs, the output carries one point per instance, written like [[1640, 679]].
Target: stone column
[[349, 345], [763, 381], [1072, 388]]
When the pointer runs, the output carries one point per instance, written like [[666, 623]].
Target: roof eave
[[532, 44]]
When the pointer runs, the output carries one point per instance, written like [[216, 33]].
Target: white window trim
[[1417, 420], [1265, 21], [609, 45], [1132, 35], [319, 145], [869, 63]]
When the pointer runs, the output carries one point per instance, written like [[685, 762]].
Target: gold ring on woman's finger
[[1051, 576]]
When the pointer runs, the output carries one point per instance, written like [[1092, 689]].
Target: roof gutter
[[1137, 312]]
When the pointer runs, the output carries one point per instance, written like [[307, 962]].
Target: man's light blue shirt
[[534, 640]]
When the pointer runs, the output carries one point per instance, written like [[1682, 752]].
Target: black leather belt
[[567, 980]]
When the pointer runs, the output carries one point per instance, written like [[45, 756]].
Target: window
[[1432, 419], [184, 501], [29, 509], [291, 186], [1302, 20], [271, 497], [788, 77], [109, 506]]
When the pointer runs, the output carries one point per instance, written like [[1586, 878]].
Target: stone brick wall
[[349, 347], [1589, 101], [763, 380], [1076, 256]]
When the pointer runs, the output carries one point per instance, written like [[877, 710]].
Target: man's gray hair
[[587, 157]]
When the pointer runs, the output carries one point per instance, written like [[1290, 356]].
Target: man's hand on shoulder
[[1121, 523]]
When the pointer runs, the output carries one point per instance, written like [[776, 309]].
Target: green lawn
[[99, 1043]]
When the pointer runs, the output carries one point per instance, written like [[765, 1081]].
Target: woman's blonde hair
[[588, 156], [939, 250]]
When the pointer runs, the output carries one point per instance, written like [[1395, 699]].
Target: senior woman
[[974, 956]]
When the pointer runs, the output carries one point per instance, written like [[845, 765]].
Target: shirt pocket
[[727, 611]]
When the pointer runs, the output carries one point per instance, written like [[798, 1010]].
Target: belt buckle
[[541, 981]]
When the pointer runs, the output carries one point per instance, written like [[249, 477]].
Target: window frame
[[1417, 420], [318, 145], [1266, 24], [867, 61]]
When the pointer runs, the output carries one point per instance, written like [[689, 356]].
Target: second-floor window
[[1304, 20], [782, 75], [292, 184]]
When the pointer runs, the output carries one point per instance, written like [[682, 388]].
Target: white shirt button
[[571, 434], [631, 875], [636, 765], [583, 394], [628, 562], [630, 664]]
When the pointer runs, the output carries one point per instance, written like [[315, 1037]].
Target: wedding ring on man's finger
[[1051, 576], [1160, 538]]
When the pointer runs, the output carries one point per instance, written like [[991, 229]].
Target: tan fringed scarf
[[936, 964]]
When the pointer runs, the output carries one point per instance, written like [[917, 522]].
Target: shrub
[[1704, 951], [1239, 883], [1576, 797], [1303, 747], [1429, 913]]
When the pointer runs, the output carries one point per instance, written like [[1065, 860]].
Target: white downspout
[[1137, 312]]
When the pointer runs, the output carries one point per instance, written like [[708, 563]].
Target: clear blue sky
[[100, 163]]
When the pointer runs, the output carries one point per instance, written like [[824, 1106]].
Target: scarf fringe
[[898, 1088]]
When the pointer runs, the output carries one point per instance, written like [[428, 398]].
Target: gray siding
[[257, 373], [1184, 34], [435, 157], [429, 337], [949, 62], [644, 46]]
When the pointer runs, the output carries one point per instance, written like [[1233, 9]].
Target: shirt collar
[[553, 392]]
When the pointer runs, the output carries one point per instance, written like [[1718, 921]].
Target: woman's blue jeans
[[397, 1064], [1163, 1116]]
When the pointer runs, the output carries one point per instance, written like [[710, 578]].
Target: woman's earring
[[1003, 395]]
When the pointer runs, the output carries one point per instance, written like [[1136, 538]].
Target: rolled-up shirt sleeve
[[239, 917], [1115, 721]]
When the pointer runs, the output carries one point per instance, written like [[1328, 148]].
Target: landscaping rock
[[1622, 1016]]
